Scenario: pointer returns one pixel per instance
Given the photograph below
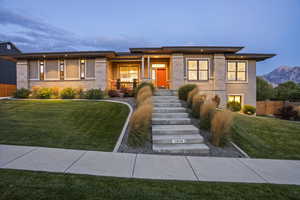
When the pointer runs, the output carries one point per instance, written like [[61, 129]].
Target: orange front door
[[161, 78]]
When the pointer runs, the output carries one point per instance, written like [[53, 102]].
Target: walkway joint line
[[253, 170], [75, 161], [20, 156], [190, 164], [134, 163]]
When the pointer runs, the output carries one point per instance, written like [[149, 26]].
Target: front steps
[[172, 130]]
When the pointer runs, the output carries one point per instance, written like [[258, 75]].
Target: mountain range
[[283, 74]]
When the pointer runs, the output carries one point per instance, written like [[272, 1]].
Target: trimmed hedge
[[184, 90], [22, 93], [94, 94]]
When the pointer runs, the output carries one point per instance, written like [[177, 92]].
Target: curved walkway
[[150, 166]]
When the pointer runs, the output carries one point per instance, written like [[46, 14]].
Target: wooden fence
[[272, 107], [7, 90]]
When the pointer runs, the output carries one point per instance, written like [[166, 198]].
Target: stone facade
[[22, 74], [177, 71]]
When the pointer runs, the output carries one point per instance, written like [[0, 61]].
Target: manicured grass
[[25, 185], [85, 125], [264, 137]]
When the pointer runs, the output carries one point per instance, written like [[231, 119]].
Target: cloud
[[31, 35]]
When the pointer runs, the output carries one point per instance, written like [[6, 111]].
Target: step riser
[[203, 152], [169, 141], [165, 97], [166, 101], [163, 94], [162, 110], [167, 105], [170, 115], [171, 122], [174, 132]]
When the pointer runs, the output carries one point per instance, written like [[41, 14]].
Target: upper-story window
[[236, 71], [197, 70]]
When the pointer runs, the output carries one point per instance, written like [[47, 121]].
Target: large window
[[52, 70], [236, 71], [127, 74], [197, 70], [72, 70], [90, 69], [235, 98], [33, 70]]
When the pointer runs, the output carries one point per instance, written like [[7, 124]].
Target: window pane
[[90, 68], [127, 74], [237, 99], [231, 66], [203, 75], [192, 65], [72, 69], [158, 65], [241, 66], [234, 98], [192, 75], [230, 98], [231, 76], [203, 64], [51, 70], [33, 70], [241, 76]]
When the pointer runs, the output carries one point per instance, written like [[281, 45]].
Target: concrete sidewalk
[[150, 166]]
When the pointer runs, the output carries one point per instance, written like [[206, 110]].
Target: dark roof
[[249, 56], [187, 49], [4, 50]]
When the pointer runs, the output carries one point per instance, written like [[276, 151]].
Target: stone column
[[101, 73], [22, 74], [149, 73], [220, 78], [143, 69], [177, 71]]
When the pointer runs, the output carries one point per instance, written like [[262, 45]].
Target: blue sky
[[262, 26]]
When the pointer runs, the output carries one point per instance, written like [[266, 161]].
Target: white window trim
[[247, 71], [38, 66], [90, 78], [65, 71], [187, 70], [237, 94], [58, 72]]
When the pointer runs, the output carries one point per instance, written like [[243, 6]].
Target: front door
[[161, 78]]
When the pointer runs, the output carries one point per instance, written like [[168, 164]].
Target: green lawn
[[25, 185], [265, 137], [85, 125]]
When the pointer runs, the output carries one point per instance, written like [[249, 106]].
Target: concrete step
[[165, 100], [169, 121], [164, 93], [165, 97], [174, 129], [170, 115], [167, 105], [169, 110], [202, 149], [175, 139]]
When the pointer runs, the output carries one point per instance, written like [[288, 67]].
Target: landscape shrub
[[249, 110], [298, 112], [287, 112], [234, 106], [139, 125], [216, 99], [184, 90], [55, 93], [207, 112], [127, 92], [22, 93], [191, 94], [143, 94], [144, 84], [94, 94], [43, 93], [220, 127], [68, 93], [197, 102], [113, 93]]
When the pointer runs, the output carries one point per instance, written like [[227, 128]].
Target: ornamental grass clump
[[139, 125], [143, 94], [197, 102], [207, 112], [220, 127], [191, 94]]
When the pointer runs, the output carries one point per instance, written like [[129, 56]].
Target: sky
[[261, 26]]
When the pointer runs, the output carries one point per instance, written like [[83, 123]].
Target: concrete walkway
[[150, 166]]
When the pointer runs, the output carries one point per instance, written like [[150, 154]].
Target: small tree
[[264, 90]]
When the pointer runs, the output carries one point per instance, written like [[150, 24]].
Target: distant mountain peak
[[283, 74]]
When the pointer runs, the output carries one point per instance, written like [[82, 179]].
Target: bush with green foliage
[[249, 110], [287, 91], [113, 93], [43, 93], [68, 93], [234, 106], [94, 94], [22, 93], [264, 90], [143, 84], [287, 112], [184, 90]]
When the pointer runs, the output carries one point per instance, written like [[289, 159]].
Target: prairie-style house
[[217, 70]]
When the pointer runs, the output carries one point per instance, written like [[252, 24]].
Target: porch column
[[22, 74], [143, 69], [220, 78], [149, 74]]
